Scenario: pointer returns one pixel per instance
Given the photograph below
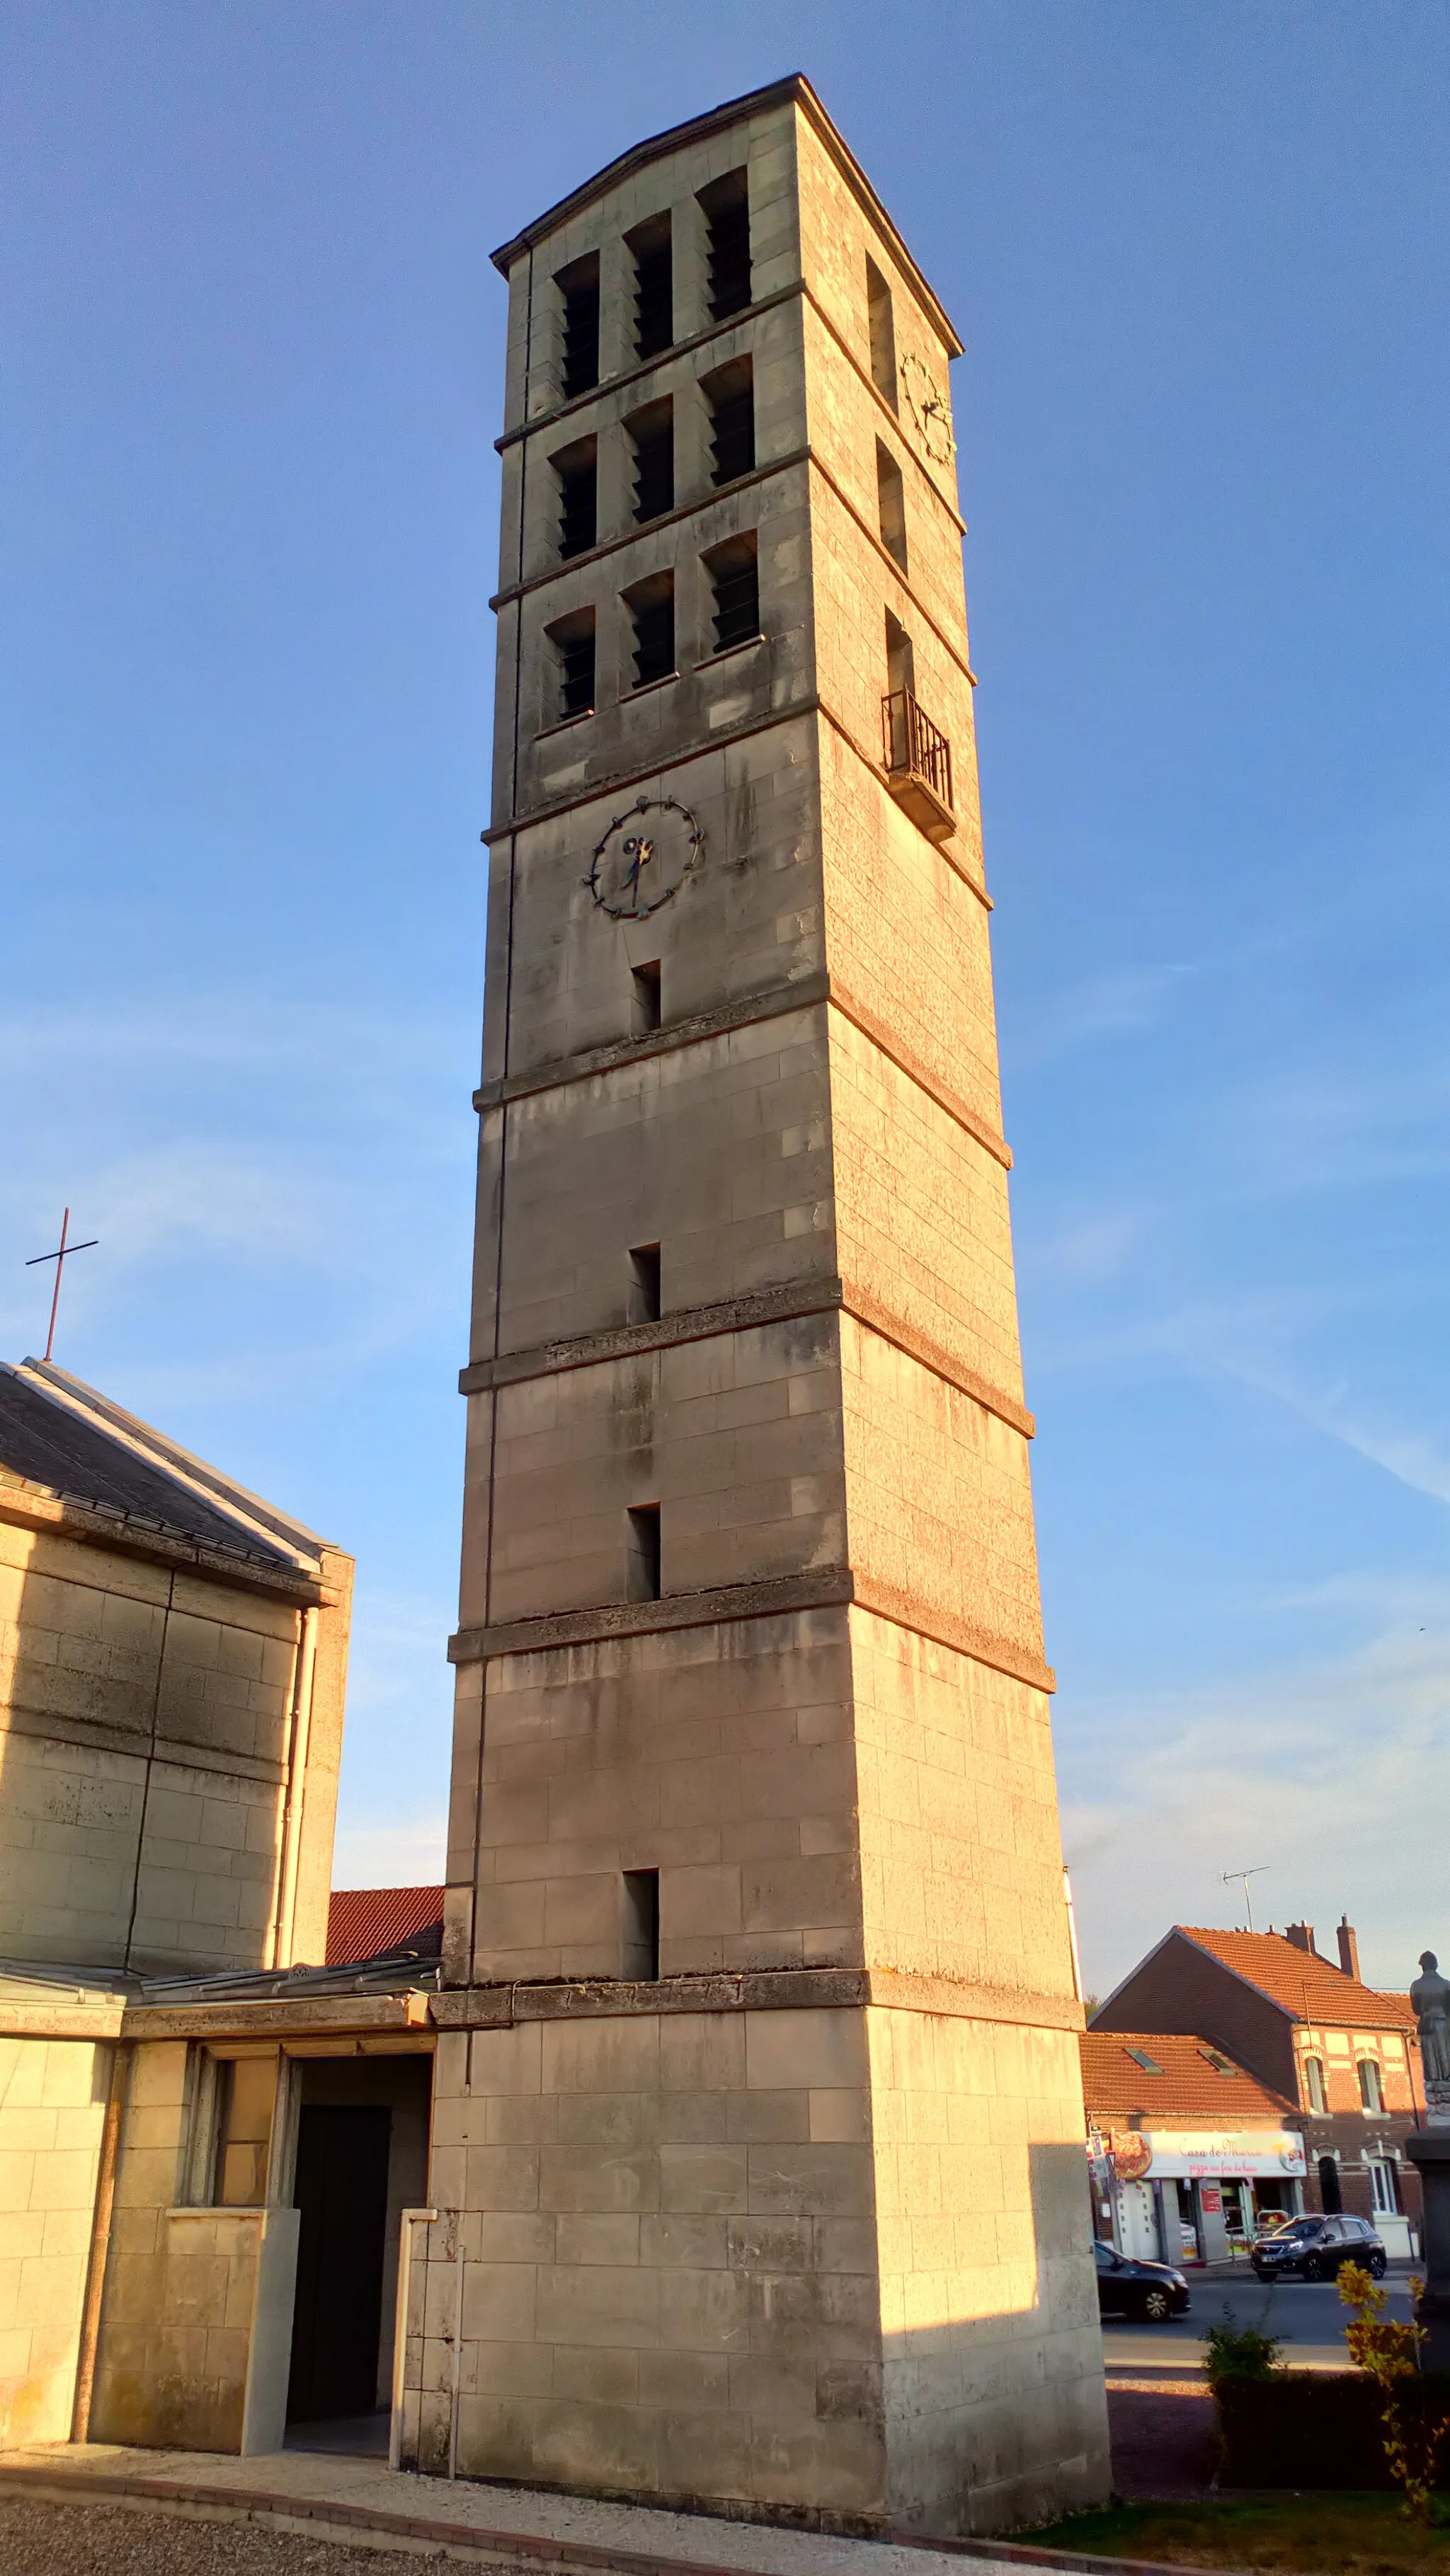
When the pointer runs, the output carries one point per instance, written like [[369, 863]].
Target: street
[[1307, 2315]]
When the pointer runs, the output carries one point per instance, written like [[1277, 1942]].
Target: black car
[[1130, 2289], [1316, 2247]]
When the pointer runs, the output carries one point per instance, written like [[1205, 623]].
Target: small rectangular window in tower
[[652, 436], [654, 286], [645, 999], [730, 393], [651, 606], [641, 1960], [572, 640], [642, 1565], [883, 333], [577, 470], [644, 1284], [735, 582], [726, 207], [578, 288], [891, 504]]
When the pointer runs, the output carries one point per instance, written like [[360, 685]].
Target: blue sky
[[247, 490]]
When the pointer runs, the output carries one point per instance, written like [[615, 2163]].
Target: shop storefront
[[1195, 2195]]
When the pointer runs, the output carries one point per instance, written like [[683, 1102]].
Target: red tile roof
[[1305, 1986], [1190, 2091], [361, 1921]]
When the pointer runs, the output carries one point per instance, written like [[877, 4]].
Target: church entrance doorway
[[362, 2158]]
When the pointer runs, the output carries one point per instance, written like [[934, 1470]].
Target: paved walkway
[[352, 2499]]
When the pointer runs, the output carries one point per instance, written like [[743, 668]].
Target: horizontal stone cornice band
[[36, 1511], [826, 1587], [747, 1013], [739, 1315], [496, 2007]]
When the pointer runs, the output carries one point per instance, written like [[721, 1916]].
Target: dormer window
[[1140, 2057]]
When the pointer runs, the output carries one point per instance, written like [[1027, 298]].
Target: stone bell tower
[[759, 2140]]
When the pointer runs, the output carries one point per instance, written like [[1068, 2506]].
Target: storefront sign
[[1192, 2154]]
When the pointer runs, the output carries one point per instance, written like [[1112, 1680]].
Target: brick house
[[1343, 2054], [1188, 2152]]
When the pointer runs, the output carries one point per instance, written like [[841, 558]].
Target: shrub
[[1389, 2350], [1232, 2351]]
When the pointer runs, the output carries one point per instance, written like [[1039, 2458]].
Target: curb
[[325, 2519]]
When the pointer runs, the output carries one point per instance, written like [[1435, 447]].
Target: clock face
[[928, 408], [644, 857]]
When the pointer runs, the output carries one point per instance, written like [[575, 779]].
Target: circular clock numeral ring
[[644, 858]]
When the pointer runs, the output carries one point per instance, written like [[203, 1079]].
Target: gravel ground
[[39, 2539]]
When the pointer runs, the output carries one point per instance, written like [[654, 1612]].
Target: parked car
[[1316, 2247], [1127, 2288]]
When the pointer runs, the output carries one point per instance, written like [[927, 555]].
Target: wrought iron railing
[[915, 747]]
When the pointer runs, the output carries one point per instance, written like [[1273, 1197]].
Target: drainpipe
[[300, 1734], [90, 2335]]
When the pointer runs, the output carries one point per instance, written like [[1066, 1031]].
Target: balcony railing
[[918, 762]]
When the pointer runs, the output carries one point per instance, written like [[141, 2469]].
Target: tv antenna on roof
[[1240, 1878]]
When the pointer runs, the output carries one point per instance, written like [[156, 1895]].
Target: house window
[[1383, 2187], [577, 470], [883, 333], [730, 393], [735, 582], [1314, 2084], [1371, 2091], [654, 287], [891, 504], [573, 642], [1140, 2057], [247, 2091], [651, 606], [579, 301], [726, 206], [652, 434]]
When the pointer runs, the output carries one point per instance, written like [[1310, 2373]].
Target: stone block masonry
[[791, 2219]]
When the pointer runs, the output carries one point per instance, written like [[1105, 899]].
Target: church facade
[[757, 2148]]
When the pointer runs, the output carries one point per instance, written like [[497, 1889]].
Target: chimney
[[1302, 1936], [1348, 1947]]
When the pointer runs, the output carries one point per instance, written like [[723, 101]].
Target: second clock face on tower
[[644, 857]]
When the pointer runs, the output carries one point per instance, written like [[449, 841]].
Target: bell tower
[[759, 2137]]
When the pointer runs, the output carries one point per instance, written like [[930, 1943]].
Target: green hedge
[[1311, 2429]]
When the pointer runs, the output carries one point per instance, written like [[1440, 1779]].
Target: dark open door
[[342, 2193]]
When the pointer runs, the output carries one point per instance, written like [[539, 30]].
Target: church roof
[[1305, 1986], [364, 1922], [63, 1442], [1187, 2079]]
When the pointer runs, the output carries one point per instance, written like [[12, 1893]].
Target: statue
[[1430, 1997]]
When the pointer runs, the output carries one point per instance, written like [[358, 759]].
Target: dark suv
[[1316, 2247]]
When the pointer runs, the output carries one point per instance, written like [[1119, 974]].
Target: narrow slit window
[[651, 606], [654, 287], [643, 1543], [577, 472], [652, 435], [883, 333], [645, 998], [642, 1924], [735, 583], [644, 1284], [726, 205], [730, 393], [1314, 2084], [891, 504], [579, 315], [572, 640]]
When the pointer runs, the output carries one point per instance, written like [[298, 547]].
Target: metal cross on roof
[[60, 1258]]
